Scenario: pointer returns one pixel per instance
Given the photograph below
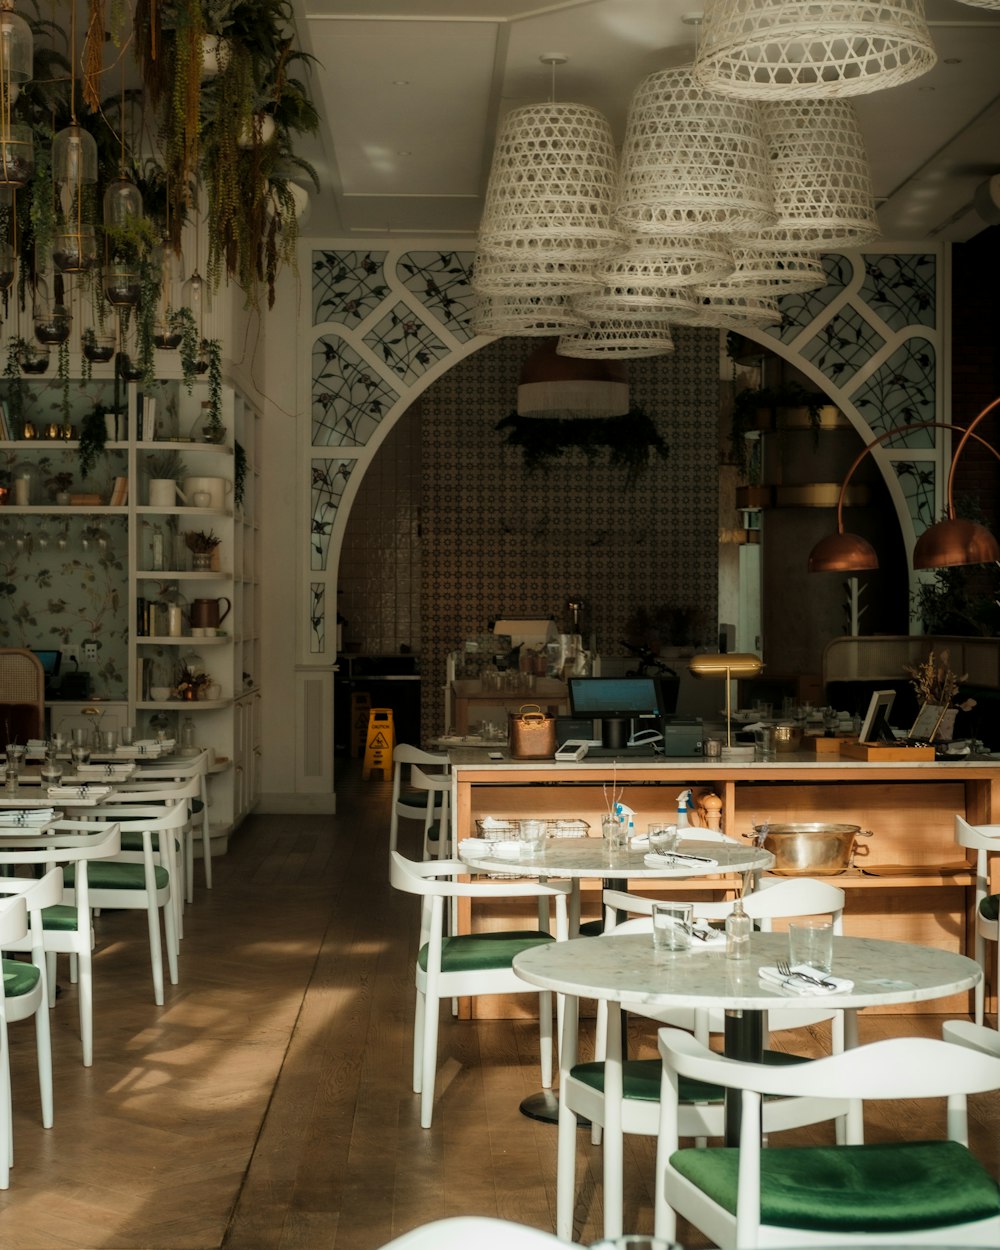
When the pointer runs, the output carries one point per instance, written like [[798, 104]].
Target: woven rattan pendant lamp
[[783, 49], [820, 177], [693, 162], [552, 183], [736, 312], [619, 339], [525, 316], [517, 275], [767, 274], [631, 303], [982, 4], [663, 264]]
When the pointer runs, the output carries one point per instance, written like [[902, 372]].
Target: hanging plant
[[181, 321], [93, 436], [239, 474], [630, 439], [213, 429], [15, 382], [62, 373]]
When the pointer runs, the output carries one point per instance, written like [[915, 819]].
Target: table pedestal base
[[743, 1040], [544, 1106]]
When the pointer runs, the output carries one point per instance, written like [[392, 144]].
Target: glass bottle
[[738, 929], [187, 734]]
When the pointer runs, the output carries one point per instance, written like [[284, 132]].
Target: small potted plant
[[58, 487], [202, 546]]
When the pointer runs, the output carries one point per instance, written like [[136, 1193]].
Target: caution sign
[[379, 744], [361, 706]]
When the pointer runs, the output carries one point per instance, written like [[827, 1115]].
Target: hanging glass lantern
[[52, 320], [193, 296], [33, 357], [122, 284], [16, 47], [168, 263], [97, 347], [122, 203], [7, 265], [17, 153], [74, 167], [74, 157], [75, 251], [17, 157]]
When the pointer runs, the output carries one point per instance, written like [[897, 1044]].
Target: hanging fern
[[630, 440]]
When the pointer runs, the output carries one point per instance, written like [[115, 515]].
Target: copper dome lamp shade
[[843, 552], [953, 541]]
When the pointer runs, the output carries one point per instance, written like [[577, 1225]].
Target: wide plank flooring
[[267, 1105]]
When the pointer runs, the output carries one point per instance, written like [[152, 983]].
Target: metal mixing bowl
[[815, 850]]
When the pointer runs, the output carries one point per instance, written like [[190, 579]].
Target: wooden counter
[[915, 884]]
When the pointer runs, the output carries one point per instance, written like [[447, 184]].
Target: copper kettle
[[205, 613]]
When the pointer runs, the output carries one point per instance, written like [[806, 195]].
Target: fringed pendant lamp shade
[[814, 49], [551, 385], [525, 315], [552, 185], [663, 264], [693, 162], [820, 176], [764, 273], [618, 339], [17, 154], [516, 275]]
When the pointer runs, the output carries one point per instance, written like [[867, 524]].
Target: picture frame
[[875, 730], [928, 722]]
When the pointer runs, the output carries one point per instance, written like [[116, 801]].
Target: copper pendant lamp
[[850, 553], [953, 541]]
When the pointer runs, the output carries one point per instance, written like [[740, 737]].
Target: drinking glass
[[109, 740], [672, 925], [533, 834], [80, 737], [662, 837], [126, 735], [810, 942], [79, 753], [764, 743]]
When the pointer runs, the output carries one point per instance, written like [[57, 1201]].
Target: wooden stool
[[379, 744]]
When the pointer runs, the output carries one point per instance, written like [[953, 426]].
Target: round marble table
[[627, 971], [583, 858]]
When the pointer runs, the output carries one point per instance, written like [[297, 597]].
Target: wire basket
[[496, 830], [559, 828]]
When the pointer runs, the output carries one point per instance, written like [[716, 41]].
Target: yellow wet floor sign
[[379, 744]]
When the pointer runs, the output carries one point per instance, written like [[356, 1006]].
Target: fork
[[785, 970]]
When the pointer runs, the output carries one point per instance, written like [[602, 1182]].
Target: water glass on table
[[810, 944], [672, 926], [533, 835], [662, 837]]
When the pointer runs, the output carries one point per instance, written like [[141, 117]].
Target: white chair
[[437, 833], [25, 993], [159, 773], [931, 1193], [965, 1033], [620, 1097], [985, 841], [67, 929], [420, 803], [144, 886], [463, 1232], [466, 965]]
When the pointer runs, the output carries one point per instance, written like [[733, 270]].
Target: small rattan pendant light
[[815, 49], [618, 339], [664, 263], [530, 316], [765, 273]]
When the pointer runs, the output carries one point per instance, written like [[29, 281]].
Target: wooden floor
[[267, 1105]]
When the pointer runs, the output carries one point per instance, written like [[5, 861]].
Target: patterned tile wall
[[496, 539]]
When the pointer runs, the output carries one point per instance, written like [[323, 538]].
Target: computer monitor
[[615, 701], [50, 661]]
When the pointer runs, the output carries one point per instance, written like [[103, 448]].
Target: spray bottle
[[684, 805]]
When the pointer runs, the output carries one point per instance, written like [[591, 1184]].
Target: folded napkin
[[705, 935], [30, 816], [508, 849], [119, 771], [793, 985], [679, 859], [86, 790]]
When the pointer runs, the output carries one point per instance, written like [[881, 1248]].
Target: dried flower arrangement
[[936, 683], [200, 541]]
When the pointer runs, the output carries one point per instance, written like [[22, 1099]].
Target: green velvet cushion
[[989, 908], [197, 806], [60, 917], [884, 1188], [109, 874], [484, 950], [592, 928], [18, 977], [641, 1078]]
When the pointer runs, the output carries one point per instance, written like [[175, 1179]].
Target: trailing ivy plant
[[15, 381], [182, 321], [239, 474], [93, 436], [631, 440], [212, 351]]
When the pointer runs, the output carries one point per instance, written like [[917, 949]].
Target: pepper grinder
[[712, 807]]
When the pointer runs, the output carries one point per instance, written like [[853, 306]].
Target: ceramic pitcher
[[206, 614]]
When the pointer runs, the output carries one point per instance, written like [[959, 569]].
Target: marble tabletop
[[629, 971], [590, 857]]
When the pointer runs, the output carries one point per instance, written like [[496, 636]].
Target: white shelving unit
[[229, 721]]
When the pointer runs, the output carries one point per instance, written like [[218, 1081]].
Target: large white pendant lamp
[[820, 175], [783, 49], [516, 275], [693, 162], [765, 273], [17, 154], [551, 385], [736, 312], [525, 316], [612, 303], [552, 185]]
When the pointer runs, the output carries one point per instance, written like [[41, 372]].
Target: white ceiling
[[411, 94]]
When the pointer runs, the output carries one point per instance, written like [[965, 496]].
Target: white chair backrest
[[791, 896], [465, 1231], [69, 841], [979, 837], [163, 790], [13, 920], [150, 819], [975, 1036], [420, 780], [406, 754], [44, 891]]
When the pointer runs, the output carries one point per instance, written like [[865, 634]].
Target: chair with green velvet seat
[[985, 841], [67, 929], [162, 774], [622, 1097], [25, 994], [467, 965], [144, 886], [422, 798], [907, 1193]]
